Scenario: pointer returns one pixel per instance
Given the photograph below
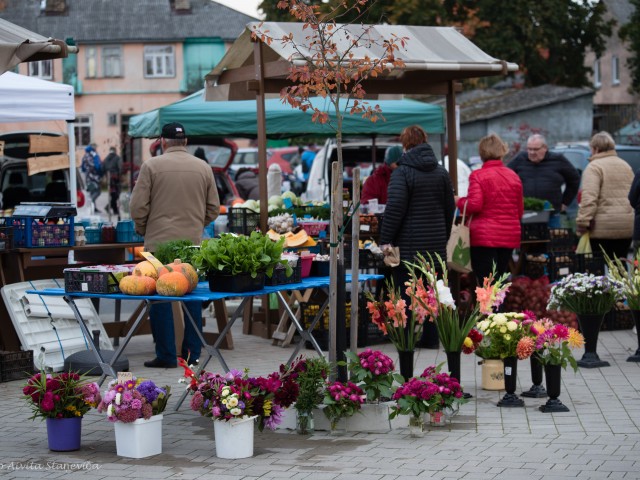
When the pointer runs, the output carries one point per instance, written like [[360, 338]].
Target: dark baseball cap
[[173, 130]]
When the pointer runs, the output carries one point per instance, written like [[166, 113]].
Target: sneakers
[[157, 363]]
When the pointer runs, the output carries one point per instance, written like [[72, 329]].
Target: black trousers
[[482, 259], [616, 247]]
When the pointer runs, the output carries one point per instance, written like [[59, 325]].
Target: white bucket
[[234, 439], [139, 439]]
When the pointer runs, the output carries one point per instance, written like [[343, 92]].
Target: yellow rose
[[468, 342]]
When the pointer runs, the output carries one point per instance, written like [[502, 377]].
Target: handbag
[[392, 257], [459, 245]]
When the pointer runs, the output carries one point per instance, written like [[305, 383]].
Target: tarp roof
[[432, 55], [19, 45], [239, 118], [30, 99]]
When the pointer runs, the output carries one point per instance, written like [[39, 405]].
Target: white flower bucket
[[142, 438], [234, 439]]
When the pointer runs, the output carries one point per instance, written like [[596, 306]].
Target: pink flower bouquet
[[127, 402]]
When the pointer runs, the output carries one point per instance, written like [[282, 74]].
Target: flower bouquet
[[449, 396], [553, 343], [585, 294], [134, 399], [61, 399], [310, 375], [472, 341], [503, 335], [435, 300], [374, 372], [60, 395], [341, 400]]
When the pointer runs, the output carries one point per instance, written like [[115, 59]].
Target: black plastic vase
[[590, 327], [510, 398], [553, 375]]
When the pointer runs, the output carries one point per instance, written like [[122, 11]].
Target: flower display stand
[[590, 327], [139, 439], [64, 434], [510, 399], [234, 439], [553, 374], [536, 390], [372, 418]]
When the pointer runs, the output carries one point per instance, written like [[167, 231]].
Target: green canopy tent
[[239, 118]]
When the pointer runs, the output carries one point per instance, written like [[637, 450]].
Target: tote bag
[[459, 245]]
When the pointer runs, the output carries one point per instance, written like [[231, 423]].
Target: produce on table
[[282, 223], [137, 284], [172, 284], [147, 269], [185, 269]]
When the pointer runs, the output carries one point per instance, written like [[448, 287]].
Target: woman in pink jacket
[[495, 205]]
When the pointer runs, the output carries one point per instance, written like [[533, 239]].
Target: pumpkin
[[137, 284], [297, 239], [172, 284], [185, 268], [147, 269]]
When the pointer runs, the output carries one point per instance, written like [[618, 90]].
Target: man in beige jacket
[[604, 210], [174, 198]]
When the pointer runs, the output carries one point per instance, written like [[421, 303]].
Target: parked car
[[244, 158], [18, 186], [286, 157], [220, 162]]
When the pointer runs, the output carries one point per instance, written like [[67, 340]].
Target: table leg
[[306, 334]]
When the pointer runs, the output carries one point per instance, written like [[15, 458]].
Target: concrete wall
[[563, 122]]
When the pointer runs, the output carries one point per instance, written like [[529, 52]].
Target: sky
[[249, 7]]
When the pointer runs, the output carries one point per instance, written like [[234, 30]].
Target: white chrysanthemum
[[503, 330], [118, 398], [225, 391], [232, 402], [512, 326], [507, 337], [235, 412]]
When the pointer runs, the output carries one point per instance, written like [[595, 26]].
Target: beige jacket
[[605, 185], [174, 198]]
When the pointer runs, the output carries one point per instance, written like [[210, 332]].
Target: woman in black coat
[[634, 200], [419, 212]]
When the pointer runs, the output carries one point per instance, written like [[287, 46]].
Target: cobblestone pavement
[[599, 438]]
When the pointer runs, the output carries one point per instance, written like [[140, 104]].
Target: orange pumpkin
[[137, 284], [223, 209], [147, 269], [172, 284], [185, 268]]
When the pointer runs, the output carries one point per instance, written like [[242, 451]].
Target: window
[[41, 69], [159, 61], [111, 62], [615, 70], [596, 74], [91, 54], [82, 129]]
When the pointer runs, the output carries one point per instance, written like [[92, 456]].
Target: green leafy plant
[[533, 204], [311, 374], [167, 252], [232, 254]]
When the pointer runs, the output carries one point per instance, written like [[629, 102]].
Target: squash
[[147, 269], [297, 239], [184, 268], [172, 284], [137, 284]]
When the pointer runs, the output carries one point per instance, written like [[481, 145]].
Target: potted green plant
[[310, 375], [238, 263]]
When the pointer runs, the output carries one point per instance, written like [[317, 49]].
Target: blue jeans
[[161, 318]]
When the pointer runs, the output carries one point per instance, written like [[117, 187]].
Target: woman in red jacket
[[495, 204]]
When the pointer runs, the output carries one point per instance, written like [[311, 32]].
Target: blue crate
[[31, 232], [125, 233]]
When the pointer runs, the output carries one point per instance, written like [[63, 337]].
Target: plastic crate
[[279, 276], [590, 263], [561, 264], [561, 240], [6, 234], [366, 259], [314, 228], [370, 224], [535, 231], [93, 235], [320, 268], [125, 233], [618, 320], [31, 232], [16, 365], [533, 268], [85, 280], [243, 221]]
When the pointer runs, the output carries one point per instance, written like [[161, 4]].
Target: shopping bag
[[459, 246], [392, 257], [584, 244]]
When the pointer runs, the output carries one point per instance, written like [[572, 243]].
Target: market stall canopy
[[19, 45], [433, 56], [238, 118], [30, 99]]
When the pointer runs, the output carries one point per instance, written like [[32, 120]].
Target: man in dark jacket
[[113, 168], [419, 212], [543, 173], [248, 184]]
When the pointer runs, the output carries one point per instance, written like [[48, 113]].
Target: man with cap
[[375, 187], [174, 198]]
